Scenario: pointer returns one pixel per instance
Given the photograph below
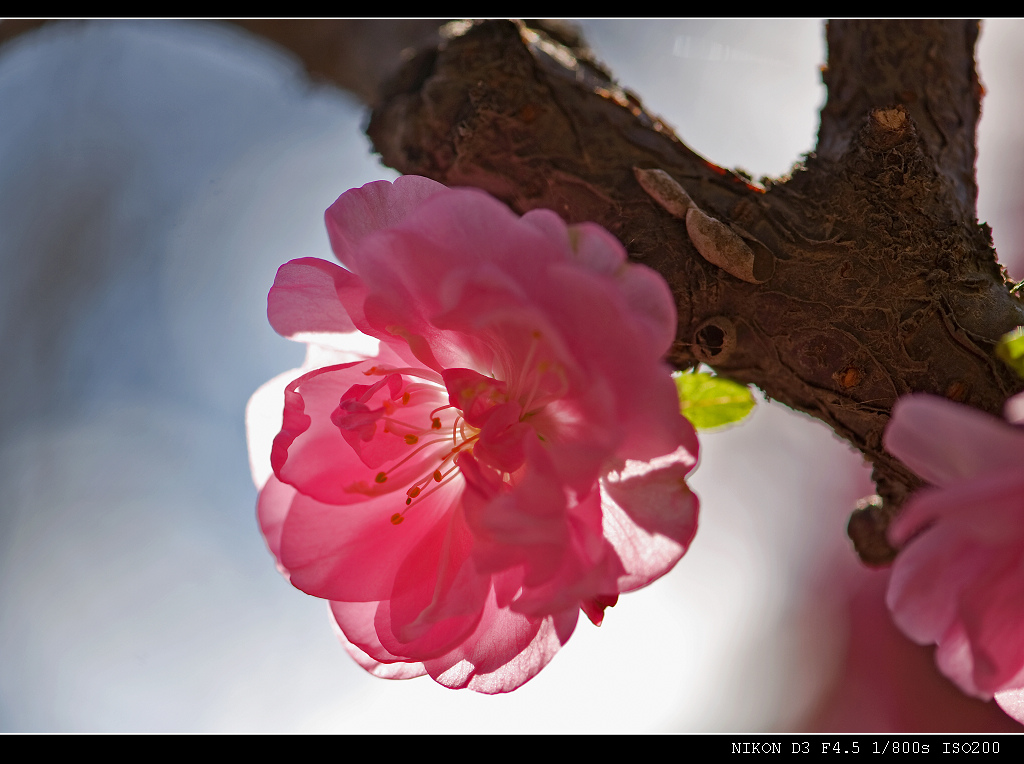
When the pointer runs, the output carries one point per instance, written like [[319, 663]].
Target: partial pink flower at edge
[[959, 581], [511, 452]]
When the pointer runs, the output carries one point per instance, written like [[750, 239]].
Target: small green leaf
[[1011, 349], [709, 401]]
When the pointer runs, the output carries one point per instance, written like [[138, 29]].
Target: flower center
[[446, 470], [402, 426]]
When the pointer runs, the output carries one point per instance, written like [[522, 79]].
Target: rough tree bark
[[873, 276], [877, 279]]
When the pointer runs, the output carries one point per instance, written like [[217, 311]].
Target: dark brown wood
[[884, 283], [924, 65], [355, 54]]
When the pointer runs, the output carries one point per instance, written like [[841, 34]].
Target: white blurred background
[[153, 176]]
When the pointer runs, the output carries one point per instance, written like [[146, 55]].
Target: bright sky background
[[153, 176]]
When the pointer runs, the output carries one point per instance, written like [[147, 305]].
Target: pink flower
[[959, 583], [511, 452]]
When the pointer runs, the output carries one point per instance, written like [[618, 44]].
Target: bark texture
[[881, 283]]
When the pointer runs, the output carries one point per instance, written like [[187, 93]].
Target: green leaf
[[709, 401], [1011, 349]]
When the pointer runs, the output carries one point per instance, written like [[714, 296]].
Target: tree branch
[[926, 66], [882, 282], [358, 55]]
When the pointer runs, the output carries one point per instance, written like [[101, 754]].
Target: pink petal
[[650, 516], [943, 441], [438, 595], [926, 580], [1014, 409], [355, 552], [1012, 702], [304, 298], [505, 651], [959, 580], [272, 509], [263, 416], [991, 609], [956, 660], [649, 298], [374, 207]]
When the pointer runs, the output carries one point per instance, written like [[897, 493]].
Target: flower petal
[[304, 298], [263, 422], [958, 581], [505, 651], [354, 552], [943, 442], [511, 453], [650, 516], [374, 207], [1012, 702]]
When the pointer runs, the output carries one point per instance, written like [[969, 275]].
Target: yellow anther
[[381, 477]]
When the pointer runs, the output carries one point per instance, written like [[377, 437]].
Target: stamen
[[392, 420], [411, 455], [435, 423], [396, 519], [438, 486], [381, 477], [411, 439], [438, 476], [407, 371]]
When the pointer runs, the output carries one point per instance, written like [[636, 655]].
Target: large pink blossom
[[959, 582], [484, 439]]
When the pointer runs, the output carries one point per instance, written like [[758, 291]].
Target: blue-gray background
[[153, 176]]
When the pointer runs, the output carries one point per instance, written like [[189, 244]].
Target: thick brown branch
[[927, 66], [355, 54], [882, 281]]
